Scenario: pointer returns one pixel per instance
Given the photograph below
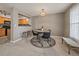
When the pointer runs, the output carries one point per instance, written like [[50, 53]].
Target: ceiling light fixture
[[43, 13]]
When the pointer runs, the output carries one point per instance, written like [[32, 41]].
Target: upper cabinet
[[23, 20], [2, 19]]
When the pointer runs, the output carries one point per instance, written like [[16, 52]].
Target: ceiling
[[34, 9]]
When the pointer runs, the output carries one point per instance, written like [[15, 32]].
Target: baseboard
[[16, 40]]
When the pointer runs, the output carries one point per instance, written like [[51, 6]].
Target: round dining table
[[41, 31]]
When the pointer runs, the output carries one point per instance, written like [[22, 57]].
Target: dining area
[[41, 38]]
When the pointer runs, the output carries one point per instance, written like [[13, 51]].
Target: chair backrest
[[46, 35], [50, 30], [34, 33]]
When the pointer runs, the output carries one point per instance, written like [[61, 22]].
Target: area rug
[[43, 43]]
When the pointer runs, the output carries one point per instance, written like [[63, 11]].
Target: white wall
[[55, 22], [6, 8], [67, 23]]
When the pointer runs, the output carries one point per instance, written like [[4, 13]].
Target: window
[[74, 25]]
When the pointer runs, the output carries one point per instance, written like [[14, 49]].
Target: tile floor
[[25, 48]]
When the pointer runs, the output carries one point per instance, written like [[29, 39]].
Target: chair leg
[[62, 40], [69, 48]]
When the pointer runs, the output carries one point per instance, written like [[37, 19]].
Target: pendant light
[[43, 13]]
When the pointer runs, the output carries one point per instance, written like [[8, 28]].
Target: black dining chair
[[46, 35], [35, 33]]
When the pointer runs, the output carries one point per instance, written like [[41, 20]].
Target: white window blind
[[74, 25]]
